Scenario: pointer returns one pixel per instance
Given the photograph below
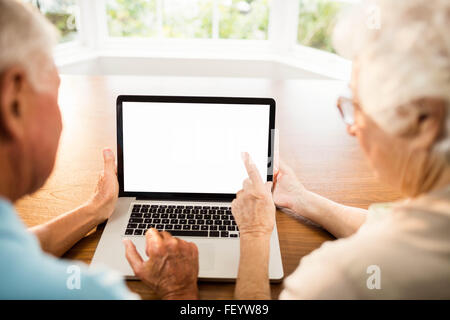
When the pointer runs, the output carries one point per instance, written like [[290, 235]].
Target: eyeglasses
[[347, 108]]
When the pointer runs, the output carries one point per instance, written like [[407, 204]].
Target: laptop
[[179, 167]]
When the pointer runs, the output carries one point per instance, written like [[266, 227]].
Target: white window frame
[[281, 45]]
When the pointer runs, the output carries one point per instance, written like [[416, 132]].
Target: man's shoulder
[[26, 272]]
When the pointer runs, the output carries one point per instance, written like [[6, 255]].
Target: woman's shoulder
[[410, 259], [437, 202]]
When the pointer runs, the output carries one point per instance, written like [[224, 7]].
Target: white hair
[[26, 39], [402, 48]]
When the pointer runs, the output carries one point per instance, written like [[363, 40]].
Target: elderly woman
[[400, 114]]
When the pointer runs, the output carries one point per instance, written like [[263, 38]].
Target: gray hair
[[402, 57], [26, 39]]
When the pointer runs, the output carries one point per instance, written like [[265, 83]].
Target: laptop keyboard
[[183, 220]]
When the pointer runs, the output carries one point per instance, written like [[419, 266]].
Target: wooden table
[[313, 141]]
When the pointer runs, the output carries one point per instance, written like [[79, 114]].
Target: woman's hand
[[172, 268], [254, 212], [106, 193], [288, 191], [253, 208]]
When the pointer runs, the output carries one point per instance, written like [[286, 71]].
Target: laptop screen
[[191, 147]]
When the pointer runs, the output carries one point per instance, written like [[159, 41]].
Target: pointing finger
[[268, 186], [247, 184], [252, 171]]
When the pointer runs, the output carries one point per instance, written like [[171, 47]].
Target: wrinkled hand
[[172, 268], [106, 193], [253, 208], [287, 189]]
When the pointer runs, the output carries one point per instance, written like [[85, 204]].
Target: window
[[206, 28], [132, 18], [244, 19], [202, 19], [63, 14], [316, 21], [187, 19]]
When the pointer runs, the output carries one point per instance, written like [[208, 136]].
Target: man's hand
[[172, 268], [105, 197], [288, 191], [253, 208], [61, 233]]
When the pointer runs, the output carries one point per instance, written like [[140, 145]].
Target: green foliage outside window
[[187, 19], [62, 14], [65, 23], [132, 18], [244, 19], [316, 22], [238, 19]]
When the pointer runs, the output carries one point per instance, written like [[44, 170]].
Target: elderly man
[[30, 127], [400, 114]]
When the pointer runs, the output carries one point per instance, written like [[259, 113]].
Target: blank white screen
[[192, 148]]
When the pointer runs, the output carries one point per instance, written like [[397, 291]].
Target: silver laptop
[[179, 168]]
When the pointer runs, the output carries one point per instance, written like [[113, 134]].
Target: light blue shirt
[[26, 272]]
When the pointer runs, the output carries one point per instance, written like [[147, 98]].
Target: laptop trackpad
[[206, 256]]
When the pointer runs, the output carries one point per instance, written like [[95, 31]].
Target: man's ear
[[430, 121], [12, 98]]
